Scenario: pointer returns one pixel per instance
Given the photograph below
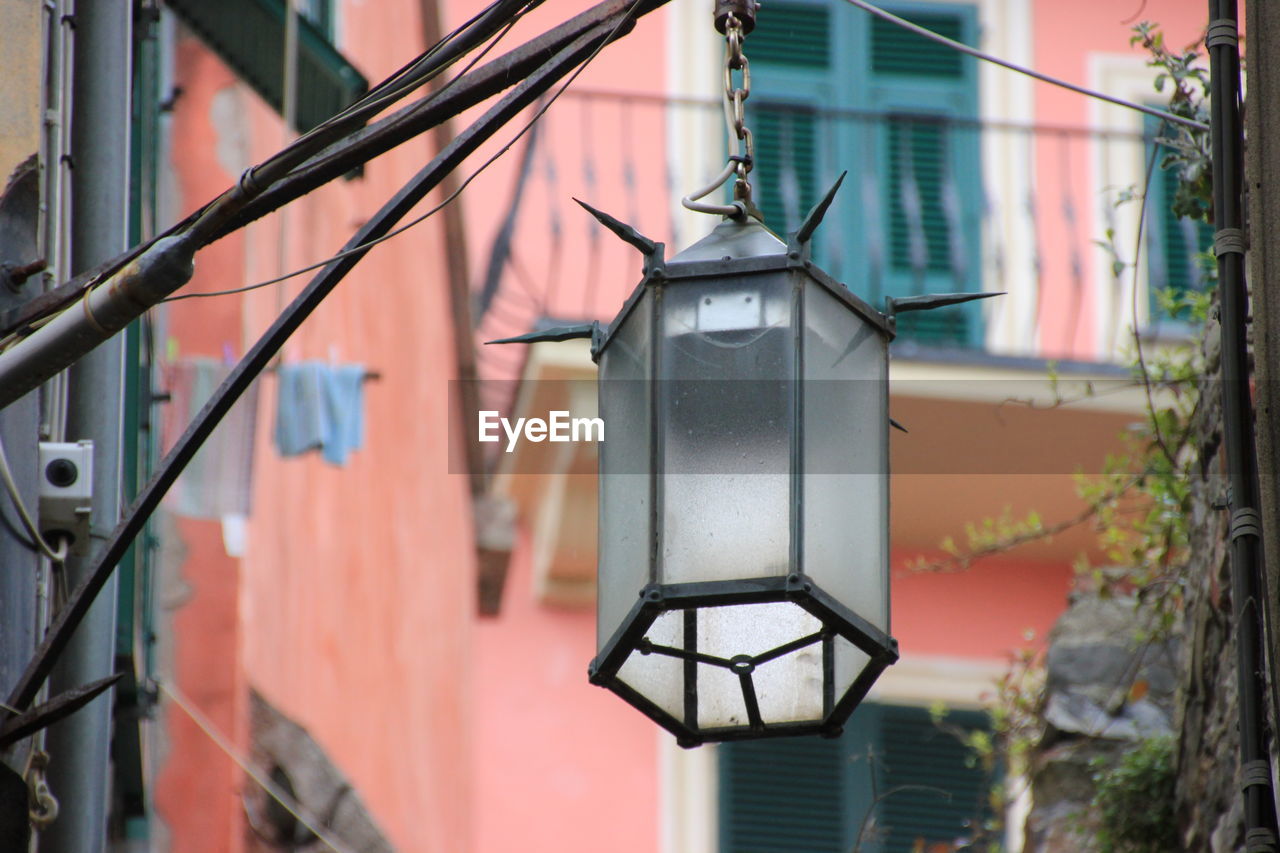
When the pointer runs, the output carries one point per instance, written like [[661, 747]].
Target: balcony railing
[[931, 203]]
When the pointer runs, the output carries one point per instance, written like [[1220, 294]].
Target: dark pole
[[1237, 427]]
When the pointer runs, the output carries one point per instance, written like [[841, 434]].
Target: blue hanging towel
[[344, 407], [300, 407]]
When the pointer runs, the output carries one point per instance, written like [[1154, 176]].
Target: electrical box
[[66, 493]]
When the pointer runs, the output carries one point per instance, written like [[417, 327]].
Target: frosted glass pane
[[726, 363], [849, 663], [846, 485], [725, 527], [660, 678], [788, 688], [625, 503]]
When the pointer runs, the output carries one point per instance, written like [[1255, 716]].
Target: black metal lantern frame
[[835, 625]]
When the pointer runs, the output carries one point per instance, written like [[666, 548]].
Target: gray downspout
[[79, 747]]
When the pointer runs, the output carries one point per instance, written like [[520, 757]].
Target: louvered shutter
[[932, 187], [791, 53], [1172, 241], [783, 796], [249, 36], [941, 795], [822, 73], [808, 795]]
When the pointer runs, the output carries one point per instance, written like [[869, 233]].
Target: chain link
[[734, 97], [737, 88]]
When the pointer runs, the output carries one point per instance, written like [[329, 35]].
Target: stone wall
[[1089, 716]]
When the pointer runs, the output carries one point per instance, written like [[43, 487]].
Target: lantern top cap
[[734, 238]]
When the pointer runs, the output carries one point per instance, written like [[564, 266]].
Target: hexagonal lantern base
[[733, 660]]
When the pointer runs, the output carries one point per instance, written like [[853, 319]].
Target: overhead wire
[[363, 247], [1022, 69], [286, 802], [339, 256]]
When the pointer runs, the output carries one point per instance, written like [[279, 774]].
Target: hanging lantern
[[743, 586]]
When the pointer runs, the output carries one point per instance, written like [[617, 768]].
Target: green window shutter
[[895, 50], [810, 795], [249, 36], [790, 51], [785, 182], [793, 35], [782, 796], [1173, 241], [940, 794], [929, 155], [917, 151]]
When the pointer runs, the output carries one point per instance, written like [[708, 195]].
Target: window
[[249, 36], [836, 89], [1173, 242], [809, 795]]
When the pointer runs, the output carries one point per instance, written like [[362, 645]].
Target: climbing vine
[[1140, 503]]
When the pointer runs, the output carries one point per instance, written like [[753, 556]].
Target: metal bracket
[[1245, 522], [1255, 773], [1259, 841], [1228, 241], [1222, 31]]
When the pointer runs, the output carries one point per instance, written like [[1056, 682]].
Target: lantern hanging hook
[[734, 19]]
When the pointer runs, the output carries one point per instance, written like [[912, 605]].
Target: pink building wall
[[351, 609], [1065, 37]]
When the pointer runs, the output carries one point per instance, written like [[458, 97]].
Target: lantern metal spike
[[819, 211], [592, 330], [899, 304], [629, 234]]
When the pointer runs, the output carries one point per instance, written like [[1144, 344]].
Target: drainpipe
[[79, 746]]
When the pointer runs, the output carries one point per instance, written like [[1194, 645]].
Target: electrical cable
[[37, 541], [286, 802], [1022, 69], [205, 217], [453, 195], [576, 54], [492, 44], [394, 87]]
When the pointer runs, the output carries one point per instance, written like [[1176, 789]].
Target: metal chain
[[734, 97], [736, 92]]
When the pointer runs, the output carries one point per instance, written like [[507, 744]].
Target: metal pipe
[[1237, 416], [103, 311], [79, 746]]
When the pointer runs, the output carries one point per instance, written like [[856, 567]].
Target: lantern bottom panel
[[743, 659]]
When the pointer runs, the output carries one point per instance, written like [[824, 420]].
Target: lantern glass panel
[[625, 501], [725, 411], [788, 688], [845, 504], [849, 661], [659, 678]]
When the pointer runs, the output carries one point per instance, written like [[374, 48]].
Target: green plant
[[1133, 805], [1140, 503]]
